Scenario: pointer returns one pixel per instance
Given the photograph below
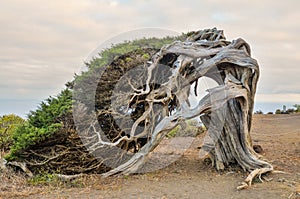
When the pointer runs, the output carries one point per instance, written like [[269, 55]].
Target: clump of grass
[[53, 180], [44, 179]]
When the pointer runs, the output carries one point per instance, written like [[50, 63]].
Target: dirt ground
[[191, 177]]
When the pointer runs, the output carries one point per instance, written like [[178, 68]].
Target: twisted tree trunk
[[166, 80]]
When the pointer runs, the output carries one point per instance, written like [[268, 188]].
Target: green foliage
[[128, 59], [43, 179], [46, 179], [174, 132], [42, 123], [146, 56], [297, 106], [8, 124], [258, 112], [188, 128], [290, 110], [116, 50], [51, 110], [28, 135], [278, 111], [48, 119]]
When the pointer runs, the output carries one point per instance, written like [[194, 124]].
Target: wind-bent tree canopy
[[122, 111], [150, 100], [48, 141]]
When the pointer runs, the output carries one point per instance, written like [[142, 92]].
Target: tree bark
[[226, 110], [134, 107]]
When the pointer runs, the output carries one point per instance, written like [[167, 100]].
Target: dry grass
[[14, 184], [188, 177]]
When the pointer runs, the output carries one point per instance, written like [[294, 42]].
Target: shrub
[[8, 124], [297, 106], [49, 136], [42, 123], [278, 111], [258, 112], [290, 110]]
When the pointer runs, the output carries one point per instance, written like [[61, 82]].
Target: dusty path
[[190, 177]]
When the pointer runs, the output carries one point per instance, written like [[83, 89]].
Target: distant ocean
[[23, 107]]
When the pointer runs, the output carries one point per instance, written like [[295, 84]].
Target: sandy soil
[[191, 177]]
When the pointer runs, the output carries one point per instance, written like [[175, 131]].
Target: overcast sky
[[43, 43]]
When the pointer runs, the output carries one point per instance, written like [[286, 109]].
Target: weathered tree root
[[255, 173]]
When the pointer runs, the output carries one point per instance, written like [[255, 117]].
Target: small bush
[[278, 111], [41, 124], [290, 110], [8, 125], [297, 106], [28, 135], [258, 112]]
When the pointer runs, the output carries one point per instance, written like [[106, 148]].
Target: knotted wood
[[165, 82]]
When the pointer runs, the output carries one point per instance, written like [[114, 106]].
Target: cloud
[[279, 98], [43, 43]]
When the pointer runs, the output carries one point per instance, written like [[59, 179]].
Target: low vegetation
[[295, 109], [8, 126], [48, 141], [187, 128], [41, 124]]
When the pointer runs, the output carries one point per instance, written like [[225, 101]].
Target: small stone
[[281, 180], [257, 148]]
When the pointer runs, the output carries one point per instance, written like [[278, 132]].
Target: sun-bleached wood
[[226, 111]]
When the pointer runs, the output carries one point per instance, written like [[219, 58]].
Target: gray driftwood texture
[[226, 110]]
